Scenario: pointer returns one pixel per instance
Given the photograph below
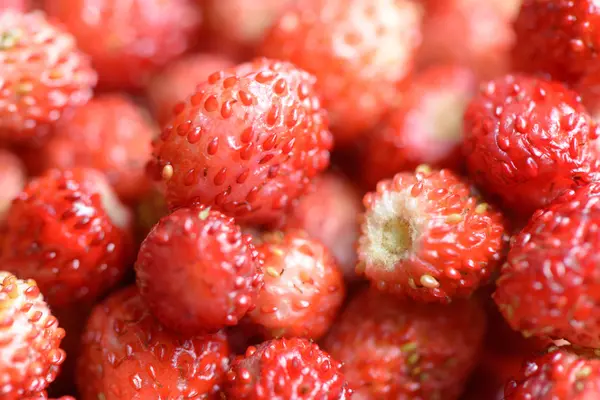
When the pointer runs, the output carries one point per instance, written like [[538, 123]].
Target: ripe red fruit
[[69, 232], [128, 42], [12, 180], [589, 89], [43, 75], [560, 38], [303, 290], [283, 369], [127, 354], [527, 140], [391, 349], [17, 5], [247, 142], [179, 80], [561, 373], [359, 50], [29, 339], [330, 214], [426, 235], [424, 128], [549, 284], [197, 271]]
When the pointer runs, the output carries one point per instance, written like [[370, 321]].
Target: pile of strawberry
[[180, 199]]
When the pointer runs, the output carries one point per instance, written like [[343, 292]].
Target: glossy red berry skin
[[179, 80], [29, 339], [548, 286], [303, 290], [44, 75], [198, 272], [561, 373], [559, 38], [127, 354], [283, 369], [69, 232], [111, 134], [359, 50], [425, 235], [329, 213], [527, 140], [425, 127], [395, 349], [12, 180], [248, 142], [129, 42]]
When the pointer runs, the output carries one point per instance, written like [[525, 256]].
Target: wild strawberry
[[424, 128], [549, 284], [127, 354], [330, 214], [129, 41], [237, 27], [248, 142], [197, 271], [391, 349], [29, 337], [283, 369], [527, 141], [561, 373], [359, 50], [425, 235], [110, 134], [560, 38], [303, 290], [12, 180], [68, 231], [42, 75], [473, 33], [179, 80]]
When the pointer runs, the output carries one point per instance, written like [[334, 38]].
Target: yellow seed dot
[[411, 283], [272, 272], [429, 281], [481, 208], [204, 214], [454, 218], [167, 172], [583, 372], [423, 169]]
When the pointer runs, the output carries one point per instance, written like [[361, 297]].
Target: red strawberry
[[561, 373], [29, 339], [197, 271], [560, 38], [425, 127], [128, 354], [589, 89], [12, 180], [284, 369], [330, 214], [18, 5], [110, 134], [391, 349], [128, 41], [358, 50], [248, 142], [68, 231], [304, 287], [549, 284], [474, 33], [527, 141], [179, 80], [42, 75], [425, 235]]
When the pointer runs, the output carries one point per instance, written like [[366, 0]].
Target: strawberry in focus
[[110, 134], [129, 41], [247, 142], [127, 354], [42, 75], [303, 290], [527, 140], [424, 128], [359, 50], [392, 349], [197, 271], [30, 339], [69, 232], [424, 234], [283, 369]]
